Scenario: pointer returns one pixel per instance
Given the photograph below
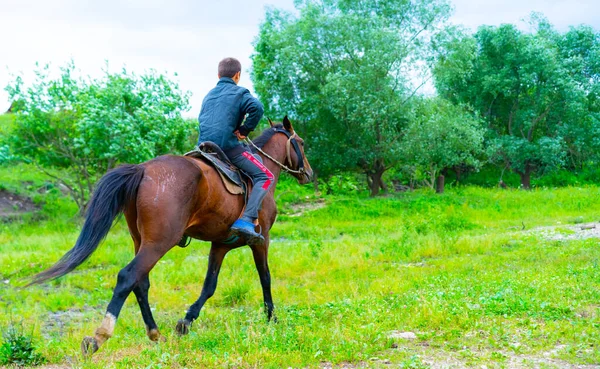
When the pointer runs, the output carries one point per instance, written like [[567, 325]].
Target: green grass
[[6, 123], [456, 269]]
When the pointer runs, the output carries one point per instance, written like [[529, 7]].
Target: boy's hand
[[239, 135]]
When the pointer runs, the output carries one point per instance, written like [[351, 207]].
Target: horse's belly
[[214, 224]]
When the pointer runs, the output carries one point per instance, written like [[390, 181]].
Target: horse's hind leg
[[141, 288], [136, 271], [141, 293], [215, 259]]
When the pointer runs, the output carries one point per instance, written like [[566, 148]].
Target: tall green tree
[[442, 136], [531, 89], [580, 50], [75, 129], [343, 70]]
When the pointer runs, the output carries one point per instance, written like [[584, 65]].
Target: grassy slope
[[446, 267]]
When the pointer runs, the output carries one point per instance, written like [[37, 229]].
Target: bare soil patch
[[569, 232], [56, 322], [12, 205]]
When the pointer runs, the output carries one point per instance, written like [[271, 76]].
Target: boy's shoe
[[246, 230]]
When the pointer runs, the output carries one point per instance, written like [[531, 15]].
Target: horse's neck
[[277, 152]]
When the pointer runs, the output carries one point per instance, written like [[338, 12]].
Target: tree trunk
[[458, 171], [375, 180], [315, 181], [526, 178], [439, 185]]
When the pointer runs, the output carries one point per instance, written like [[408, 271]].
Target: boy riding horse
[[222, 122]]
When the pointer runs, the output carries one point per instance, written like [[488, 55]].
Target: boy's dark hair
[[228, 67]]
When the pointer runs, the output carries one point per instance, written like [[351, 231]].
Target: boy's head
[[231, 68]]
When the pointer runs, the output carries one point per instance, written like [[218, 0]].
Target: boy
[[222, 122]]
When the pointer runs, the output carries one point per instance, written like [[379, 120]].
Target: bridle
[[291, 142]]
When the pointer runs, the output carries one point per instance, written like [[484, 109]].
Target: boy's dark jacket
[[223, 111]]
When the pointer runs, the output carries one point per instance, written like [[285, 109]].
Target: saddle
[[235, 180]]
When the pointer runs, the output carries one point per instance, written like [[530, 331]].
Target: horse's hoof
[[155, 336], [89, 346], [183, 327]]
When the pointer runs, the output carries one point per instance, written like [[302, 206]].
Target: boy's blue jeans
[[261, 176]]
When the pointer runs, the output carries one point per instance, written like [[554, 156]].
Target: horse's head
[[295, 159]]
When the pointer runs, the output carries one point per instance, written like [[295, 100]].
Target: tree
[[76, 129], [343, 69], [534, 98], [442, 136], [580, 50]]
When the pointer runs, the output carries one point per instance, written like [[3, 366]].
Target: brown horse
[[164, 199]]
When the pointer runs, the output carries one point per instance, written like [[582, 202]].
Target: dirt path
[[569, 232], [12, 205]]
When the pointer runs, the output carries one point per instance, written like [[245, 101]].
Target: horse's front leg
[[260, 254], [215, 259]]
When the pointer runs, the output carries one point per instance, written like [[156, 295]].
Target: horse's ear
[[287, 124], [270, 122]]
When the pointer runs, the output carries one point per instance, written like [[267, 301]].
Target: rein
[[291, 141]]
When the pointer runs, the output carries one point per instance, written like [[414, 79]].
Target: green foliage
[[342, 184], [487, 176], [490, 175], [6, 126], [442, 136], [6, 156], [340, 69], [17, 348], [563, 178], [87, 126], [537, 92]]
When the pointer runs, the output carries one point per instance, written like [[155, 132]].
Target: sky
[[190, 37]]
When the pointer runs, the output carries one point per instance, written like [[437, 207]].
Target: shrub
[[18, 349], [75, 129]]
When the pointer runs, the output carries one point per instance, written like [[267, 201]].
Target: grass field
[[457, 270]]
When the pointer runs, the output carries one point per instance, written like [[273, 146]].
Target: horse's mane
[[266, 135]]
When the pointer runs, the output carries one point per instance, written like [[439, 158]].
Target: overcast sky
[[189, 37]]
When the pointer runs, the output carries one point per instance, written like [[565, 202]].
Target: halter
[[288, 146]]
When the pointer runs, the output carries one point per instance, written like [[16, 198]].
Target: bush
[[75, 129], [18, 349], [488, 176], [343, 184], [6, 156], [6, 126], [563, 178]]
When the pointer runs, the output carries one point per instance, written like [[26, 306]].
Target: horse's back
[[185, 193]]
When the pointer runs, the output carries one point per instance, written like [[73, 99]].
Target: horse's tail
[[114, 191]]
